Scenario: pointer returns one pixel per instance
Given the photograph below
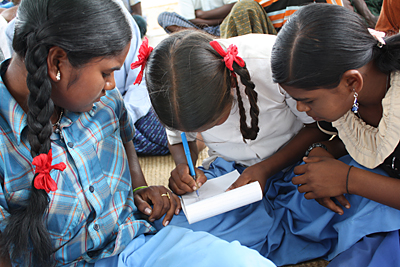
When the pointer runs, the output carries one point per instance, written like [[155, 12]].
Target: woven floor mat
[[157, 169]]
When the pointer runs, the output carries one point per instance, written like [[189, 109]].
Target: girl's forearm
[[295, 149], [335, 147], [136, 172], [178, 153], [217, 13], [379, 188]]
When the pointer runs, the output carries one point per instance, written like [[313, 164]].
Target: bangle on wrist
[[314, 146], [138, 188], [347, 179]]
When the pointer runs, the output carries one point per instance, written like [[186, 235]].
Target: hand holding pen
[[181, 180], [188, 158]]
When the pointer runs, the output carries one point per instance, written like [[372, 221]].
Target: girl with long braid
[[223, 88], [67, 161]]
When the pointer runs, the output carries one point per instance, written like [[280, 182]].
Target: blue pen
[[188, 157]]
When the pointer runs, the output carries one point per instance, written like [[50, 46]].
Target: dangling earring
[[58, 76], [355, 104]]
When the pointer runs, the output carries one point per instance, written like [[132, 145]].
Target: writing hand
[[322, 178], [163, 201], [181, 182]]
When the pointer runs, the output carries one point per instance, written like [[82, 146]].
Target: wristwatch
[[314, 146]]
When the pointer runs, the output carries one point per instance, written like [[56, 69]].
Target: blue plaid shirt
[[92, 213]]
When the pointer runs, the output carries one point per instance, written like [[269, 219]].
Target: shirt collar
[[13, 113], [10, 110]]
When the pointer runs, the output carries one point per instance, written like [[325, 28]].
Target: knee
[[246, 4], [162, 18]]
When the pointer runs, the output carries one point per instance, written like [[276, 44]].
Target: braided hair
[[190, 85], [84, 29]]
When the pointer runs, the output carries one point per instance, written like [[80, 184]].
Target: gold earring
[[58, 76]]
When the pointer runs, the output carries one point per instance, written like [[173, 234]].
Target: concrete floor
[[150, 10]]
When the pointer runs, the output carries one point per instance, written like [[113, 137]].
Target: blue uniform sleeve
[[136, 97], [3, 203]]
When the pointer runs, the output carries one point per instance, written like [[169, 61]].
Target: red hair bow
[[43, 165], [229, 56], [144, 53]]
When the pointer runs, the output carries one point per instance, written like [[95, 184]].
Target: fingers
[[311, 159], [174, 209], [179, 190], [298, 180], [162, 200], [300, 169], [200, 177], [142, 205], [242, 180], [328, 203], [163, 203], [343, 201], [182, 182]]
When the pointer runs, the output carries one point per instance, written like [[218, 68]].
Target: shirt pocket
[[65, 214], [113, 161]]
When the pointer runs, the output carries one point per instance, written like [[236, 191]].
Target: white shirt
[[129, 3], [4, 45], [279, 120], [136, 97], [188, 7]]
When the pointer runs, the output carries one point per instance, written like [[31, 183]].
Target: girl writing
[[224, 90]]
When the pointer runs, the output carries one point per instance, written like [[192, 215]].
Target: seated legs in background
[[171, 22], [150, 138], [246, 16]]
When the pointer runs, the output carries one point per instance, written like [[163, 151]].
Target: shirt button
[[96, 227], [91, 189], [70, 144]]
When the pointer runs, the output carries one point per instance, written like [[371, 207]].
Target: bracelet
[[138, 188], [347, 179], [314, 146]]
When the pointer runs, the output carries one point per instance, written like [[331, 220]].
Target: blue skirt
[[288, 229], [178, 247]]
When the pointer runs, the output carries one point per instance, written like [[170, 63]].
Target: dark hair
[[320, 42], [84, 29], [190, 85]]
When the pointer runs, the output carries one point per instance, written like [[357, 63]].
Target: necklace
[[57, 130]]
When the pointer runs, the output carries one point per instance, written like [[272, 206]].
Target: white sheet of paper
[[213, 199]]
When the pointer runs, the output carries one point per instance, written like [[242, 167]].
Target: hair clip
[[378, 35], [144, 53], [43, 165], [229, 56]]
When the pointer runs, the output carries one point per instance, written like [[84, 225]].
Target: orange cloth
[[389, 19], [280, 12]]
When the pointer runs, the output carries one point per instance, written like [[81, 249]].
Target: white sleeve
[[187, 9], [174, 136], [136, 97], [226, 2]]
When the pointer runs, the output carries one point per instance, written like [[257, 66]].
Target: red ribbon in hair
[[229, 56], [144, 53], [43, 165]]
